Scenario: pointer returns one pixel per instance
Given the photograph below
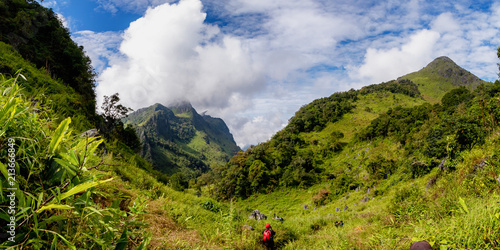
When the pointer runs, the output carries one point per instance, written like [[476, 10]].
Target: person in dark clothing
[[268, 237]]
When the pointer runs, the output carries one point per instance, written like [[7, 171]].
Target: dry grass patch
[[167, 234]]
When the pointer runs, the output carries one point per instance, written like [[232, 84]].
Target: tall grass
[[55, 175]]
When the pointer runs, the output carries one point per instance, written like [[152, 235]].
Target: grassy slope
[[369, 225], [63, 99], [433, 84], [351, 123], [178, 220]]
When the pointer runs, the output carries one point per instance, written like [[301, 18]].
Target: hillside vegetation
[[411, 159], [38, 36], [398, 167], [180, 142], [306, 151], [62, 190]]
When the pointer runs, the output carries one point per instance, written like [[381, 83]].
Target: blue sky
[[255, 62]]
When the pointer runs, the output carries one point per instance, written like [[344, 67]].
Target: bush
[[210, 206], [380, 167], [321, 198], [178, 182], [408, 204]]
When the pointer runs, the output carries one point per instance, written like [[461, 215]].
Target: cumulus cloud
[[63, 20], [260, 60], [384, 65], [170, 55], [99, 46]]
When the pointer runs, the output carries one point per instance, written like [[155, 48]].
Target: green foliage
[[112, 128], [38, 35], [381, 167], [456, 96], [181, 141], [55, 180], [45, 91], [314, 116], [211, 206], [468, 132], [178, 182], [402, 86], [399, 122], [408, 203], [343, 183]]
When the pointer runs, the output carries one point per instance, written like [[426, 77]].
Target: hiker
[[278, 218], [268, 237]]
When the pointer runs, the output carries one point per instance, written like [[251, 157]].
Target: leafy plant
[[54, 176]]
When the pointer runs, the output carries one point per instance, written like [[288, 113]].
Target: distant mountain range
[[177, 138]]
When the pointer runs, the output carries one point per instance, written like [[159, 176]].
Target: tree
[[112, 110], [112, 128], [456, 96], [498, 55]]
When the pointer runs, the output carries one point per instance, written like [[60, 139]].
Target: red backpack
[[267, 235]]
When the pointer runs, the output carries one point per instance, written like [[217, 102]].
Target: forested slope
[[39, 37], [179, 140], [307, 150]]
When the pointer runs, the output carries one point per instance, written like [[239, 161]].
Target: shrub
[[321, 198], [408, 203]]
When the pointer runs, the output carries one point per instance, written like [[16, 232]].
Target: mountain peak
[[177, 136], [441, 76], [158, 106], [182, 107], [442, 59], [447, 68]]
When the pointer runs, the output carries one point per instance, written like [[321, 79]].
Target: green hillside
[[305, 152], [388, 161], [45, 90], [38, 36], [178, 139], [411, 159], [441, 76]]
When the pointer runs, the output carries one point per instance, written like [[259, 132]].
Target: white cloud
[[171, 55], [63, 20], [384, 65], [268, 58], [100, 47], [49, 3], [135, 6], [445, 23]]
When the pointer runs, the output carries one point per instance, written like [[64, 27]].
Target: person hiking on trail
[[268, 237]]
